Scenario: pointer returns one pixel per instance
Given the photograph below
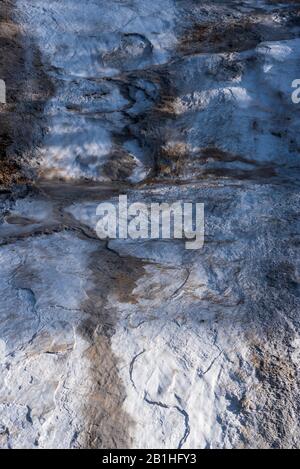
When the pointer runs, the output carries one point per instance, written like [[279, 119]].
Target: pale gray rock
[[146, 344]]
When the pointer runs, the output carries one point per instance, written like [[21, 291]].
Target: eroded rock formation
[[145, 344]]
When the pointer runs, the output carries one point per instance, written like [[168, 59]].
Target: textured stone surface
[[146, 344]]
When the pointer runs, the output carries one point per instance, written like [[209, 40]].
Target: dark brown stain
[[28, 88], [238, 35], [107, 423]]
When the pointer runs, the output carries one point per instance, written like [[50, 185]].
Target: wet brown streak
[[28, 88], [108, 425], [231, 35]]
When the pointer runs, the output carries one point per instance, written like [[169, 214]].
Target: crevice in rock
[[131, 366]]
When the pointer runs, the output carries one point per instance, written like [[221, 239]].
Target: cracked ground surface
[[145, 344]]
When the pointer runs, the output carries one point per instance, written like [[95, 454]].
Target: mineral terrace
[[145, 344]]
